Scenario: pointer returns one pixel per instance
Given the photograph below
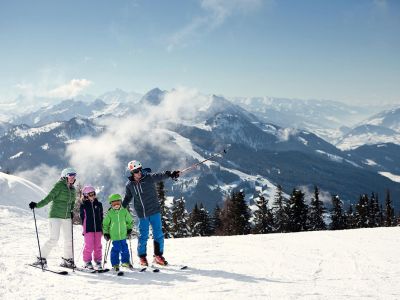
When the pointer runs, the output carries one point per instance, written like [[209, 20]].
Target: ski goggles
[[136, 171], [71, 174], [91, 194]]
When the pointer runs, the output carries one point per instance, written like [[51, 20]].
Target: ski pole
[[72, 235], [83, 247], [106, 253], [203, 161], [130, 249], [37, 237]]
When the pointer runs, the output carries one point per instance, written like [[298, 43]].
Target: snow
[[303, 140], [45, 146], [392, 177], [370, 162], [23, 133], [354, 141], [252, 179], [186, 146], [17, 155], [347, 264], [19, 192], [203, 126], [332, 157], [376, 121]]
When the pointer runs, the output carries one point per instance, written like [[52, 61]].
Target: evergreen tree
[[381, 218], [180, 219], [316, 212], [263, 219], [216, 222], [205, 221], [279, 213], [297, 212], [165, 212], [389, 211], [350, 218], [337, 216], [195, 221], [235, 215], [362, 212], [373, 211]]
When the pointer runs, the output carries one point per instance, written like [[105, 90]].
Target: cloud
[[215, 13], [42, 175], [98, 159], [308, 191], [49, 87], [70, 89]]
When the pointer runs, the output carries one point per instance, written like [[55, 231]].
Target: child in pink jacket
[[91, 213]]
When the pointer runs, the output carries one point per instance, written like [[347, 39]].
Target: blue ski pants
[[158, 235], [119, 247]]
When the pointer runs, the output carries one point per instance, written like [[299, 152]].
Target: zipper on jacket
[[141, 201], [66, 213], [94, 217], [119, 225]]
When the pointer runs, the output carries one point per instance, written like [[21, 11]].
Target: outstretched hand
[[32, 205]]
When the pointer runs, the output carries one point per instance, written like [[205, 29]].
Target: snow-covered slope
[[17, 191], [388, 118], [368, 135], [322, 117], [383, 127], [351, 264]]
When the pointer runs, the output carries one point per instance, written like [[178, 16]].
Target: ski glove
[[128, 234], [107, 237], [173, 175], [32, 205]]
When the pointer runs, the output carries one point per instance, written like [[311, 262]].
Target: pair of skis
[[139, 269], [153, 268], [66, 272]]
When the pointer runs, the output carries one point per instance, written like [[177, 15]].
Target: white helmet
[[66, 171], [134, 165]]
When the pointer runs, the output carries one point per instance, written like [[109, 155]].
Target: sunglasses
[[116, 203], [92, 194], [71, 174], [136, 171]]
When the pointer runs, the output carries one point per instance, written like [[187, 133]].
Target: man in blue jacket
[[141, 188]]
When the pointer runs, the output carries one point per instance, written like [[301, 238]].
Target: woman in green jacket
[[117, 226], [62, 198]]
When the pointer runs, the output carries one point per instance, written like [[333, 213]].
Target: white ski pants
[[55, 226]]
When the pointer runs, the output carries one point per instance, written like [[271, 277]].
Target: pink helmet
[[87, 189]]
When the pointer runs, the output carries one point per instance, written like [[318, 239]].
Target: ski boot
[[40, 261], [67, 263], [127, 265], [143, 261], [160, 260], [115, 268], [98, 266], [89, 265]]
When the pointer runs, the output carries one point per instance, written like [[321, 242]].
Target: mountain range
[[261, 153]]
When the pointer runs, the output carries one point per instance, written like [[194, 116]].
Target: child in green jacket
[[117, 226]]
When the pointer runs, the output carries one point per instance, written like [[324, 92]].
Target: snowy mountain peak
[[153, 97]]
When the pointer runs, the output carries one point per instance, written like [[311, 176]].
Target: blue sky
[[309, 49]]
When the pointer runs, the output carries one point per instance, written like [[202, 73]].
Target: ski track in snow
[[350, 264]]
